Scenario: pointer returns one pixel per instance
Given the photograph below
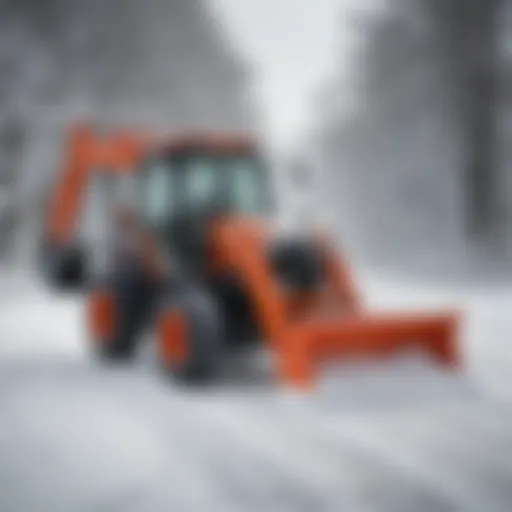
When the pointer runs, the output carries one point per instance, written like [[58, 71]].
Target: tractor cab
[[182, 189], [172, 185]]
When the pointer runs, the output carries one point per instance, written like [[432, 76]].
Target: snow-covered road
[[76, 436]]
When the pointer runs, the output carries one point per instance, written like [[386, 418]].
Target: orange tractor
[[212, 271]]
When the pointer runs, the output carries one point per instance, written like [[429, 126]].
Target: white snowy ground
[[404, 436]]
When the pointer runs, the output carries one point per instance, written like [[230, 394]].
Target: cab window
[[200, 177], [248, 187], [158, 193]]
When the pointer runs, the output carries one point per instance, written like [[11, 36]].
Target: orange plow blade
[[306, 344]]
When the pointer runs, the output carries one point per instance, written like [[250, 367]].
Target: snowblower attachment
[[329, 321], [364, 335]]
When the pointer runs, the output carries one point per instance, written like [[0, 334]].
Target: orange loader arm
[[85, 154]]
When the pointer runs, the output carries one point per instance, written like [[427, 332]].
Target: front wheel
[[118, 311], [189, 330]]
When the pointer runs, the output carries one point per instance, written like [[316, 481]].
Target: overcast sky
[[295, 45]]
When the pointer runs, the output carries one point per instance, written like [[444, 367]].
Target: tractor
[[213, 271]]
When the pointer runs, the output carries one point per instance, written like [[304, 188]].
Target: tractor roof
[[211, 142]]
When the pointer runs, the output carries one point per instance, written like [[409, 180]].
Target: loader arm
[[241, 246], [86, 154]]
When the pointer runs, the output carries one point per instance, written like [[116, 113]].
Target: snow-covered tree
[[419, 155], [149, 63]]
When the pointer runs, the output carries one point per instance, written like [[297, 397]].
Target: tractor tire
[[132, 303], [203, 335], [64, 268]]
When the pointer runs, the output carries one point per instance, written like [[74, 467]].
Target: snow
[[77, 435], [36, 323]]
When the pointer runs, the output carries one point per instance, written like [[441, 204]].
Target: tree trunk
[[480, 118]]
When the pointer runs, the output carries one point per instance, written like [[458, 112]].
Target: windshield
[[247, 189], [200, 182], [158, 193], [238, 182], [194, 182]]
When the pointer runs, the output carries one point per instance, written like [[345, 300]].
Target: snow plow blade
[[307, 344]]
